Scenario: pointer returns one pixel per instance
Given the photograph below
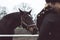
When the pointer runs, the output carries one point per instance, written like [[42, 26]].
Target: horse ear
[[30, 11], [20, 10]]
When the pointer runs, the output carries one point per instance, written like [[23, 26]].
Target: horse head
[[27, 22]]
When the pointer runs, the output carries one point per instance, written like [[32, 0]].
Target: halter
[[28, 26]]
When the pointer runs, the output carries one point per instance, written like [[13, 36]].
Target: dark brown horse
[[9, 22]]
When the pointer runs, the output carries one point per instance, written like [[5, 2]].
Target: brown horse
[[9, 22]]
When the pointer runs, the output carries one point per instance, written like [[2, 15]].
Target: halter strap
[[25, 23]]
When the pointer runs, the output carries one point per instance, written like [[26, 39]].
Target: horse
[[9, 22]]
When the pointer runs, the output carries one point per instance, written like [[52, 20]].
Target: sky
[[11, 5]]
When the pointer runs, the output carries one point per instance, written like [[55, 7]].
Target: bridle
[[24, 22], [30, 27], [27, 26]]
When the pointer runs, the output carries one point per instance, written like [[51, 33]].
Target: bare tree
[[2, 12]]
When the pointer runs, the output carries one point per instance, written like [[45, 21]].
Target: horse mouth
[[33, 30]]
